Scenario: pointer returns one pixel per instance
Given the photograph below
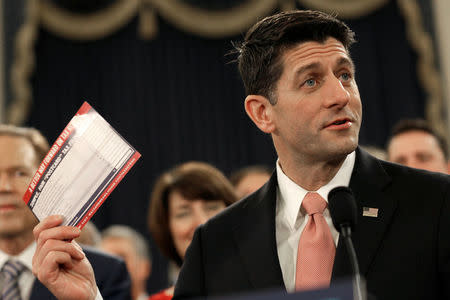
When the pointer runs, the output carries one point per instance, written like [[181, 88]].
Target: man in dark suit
[[21, 150], [301, 89]]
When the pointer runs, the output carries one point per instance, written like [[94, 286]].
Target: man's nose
[[5, 182], [337, 94]]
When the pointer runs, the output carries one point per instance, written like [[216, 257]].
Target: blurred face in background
[[18, 164], [251, 183], [185, 215], [138, 267], [417, 149]]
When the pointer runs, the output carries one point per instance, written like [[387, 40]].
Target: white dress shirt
[[143, 296], [290, 220], [26, 278]]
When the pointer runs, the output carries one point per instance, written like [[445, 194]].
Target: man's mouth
[[340, 124], [7, 207]]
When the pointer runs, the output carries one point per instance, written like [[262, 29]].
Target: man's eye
[[310, 82], [345, 76], [19, 173], [399, 160], [422, 157]]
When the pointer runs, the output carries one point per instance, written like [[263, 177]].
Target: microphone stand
[[346, 233]]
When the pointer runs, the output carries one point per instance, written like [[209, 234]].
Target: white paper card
[[81, 169]]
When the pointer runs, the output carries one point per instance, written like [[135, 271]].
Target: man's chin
[[345, 147], [15, 228], [10, 233], [340, 152]]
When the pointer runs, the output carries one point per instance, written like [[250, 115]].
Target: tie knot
[[313, 203], [12, 269]]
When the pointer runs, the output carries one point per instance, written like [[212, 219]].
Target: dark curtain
[[178, 98]]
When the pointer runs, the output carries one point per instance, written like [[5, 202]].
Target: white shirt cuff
[[98, 296]]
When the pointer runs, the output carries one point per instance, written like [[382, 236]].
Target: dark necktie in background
[[9, 279]]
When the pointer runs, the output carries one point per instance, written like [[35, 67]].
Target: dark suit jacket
[[111, 276], [404, 253]]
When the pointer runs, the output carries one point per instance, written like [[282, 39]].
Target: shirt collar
[[25, 257], [291, 194]]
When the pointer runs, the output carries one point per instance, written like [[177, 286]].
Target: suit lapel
[[256, 241], [368, 182], [255, 236], [40, 292]]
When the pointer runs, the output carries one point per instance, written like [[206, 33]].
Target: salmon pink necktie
[[316, 248]]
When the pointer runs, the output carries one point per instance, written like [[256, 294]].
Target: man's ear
[[259, 109]]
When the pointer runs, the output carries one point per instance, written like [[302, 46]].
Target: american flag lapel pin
[[370, 212]]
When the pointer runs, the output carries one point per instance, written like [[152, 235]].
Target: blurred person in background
[[378, 152], [249, 179], [89, 235], [132, 247], [415, 144], [182, 199], [21, 151]]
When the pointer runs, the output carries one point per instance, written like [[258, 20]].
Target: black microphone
[[342, 206]]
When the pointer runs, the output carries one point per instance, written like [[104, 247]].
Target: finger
[[51, 266], [73, 242], [46, 223], [49, 246], [62, 233]]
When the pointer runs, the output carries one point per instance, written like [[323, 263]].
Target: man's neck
[[311, 176], [15, 245], [138, 289]]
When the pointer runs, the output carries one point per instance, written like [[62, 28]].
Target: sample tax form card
[[84, 165]]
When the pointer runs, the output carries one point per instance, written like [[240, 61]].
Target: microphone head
[[342, 206]]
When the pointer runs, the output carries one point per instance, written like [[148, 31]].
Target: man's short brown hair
[[408, 125], [259, 55]]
